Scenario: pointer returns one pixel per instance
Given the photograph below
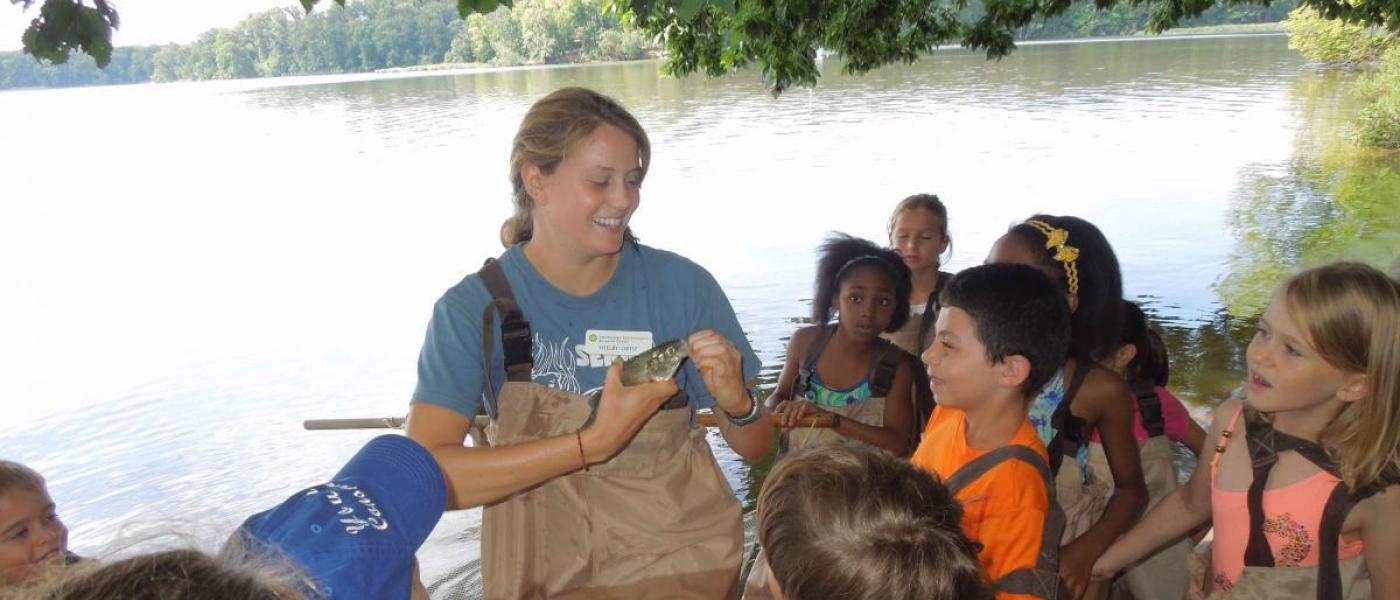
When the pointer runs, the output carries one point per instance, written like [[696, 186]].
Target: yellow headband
[[1065, 254]]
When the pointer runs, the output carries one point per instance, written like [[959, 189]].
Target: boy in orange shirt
[[1002, 333]]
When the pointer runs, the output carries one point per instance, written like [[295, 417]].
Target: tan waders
[[658, 520], [1332, 578]]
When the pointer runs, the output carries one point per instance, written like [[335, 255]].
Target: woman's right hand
[[789, 413], [622, 411]]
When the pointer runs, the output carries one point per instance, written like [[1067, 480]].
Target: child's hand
[[1102, 571], [789, 413], [1076, 561]]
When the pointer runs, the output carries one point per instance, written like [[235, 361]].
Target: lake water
[[187, 271]]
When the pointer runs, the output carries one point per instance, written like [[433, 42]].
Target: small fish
[[658, 363]]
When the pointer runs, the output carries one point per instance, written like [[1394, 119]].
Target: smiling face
[[585, 204], [1286, 373], [31, 534], [866, 301], [959, 372], [918, 237]]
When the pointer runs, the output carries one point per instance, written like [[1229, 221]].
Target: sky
[[146, 22]]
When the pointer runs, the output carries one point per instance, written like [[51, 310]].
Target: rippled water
[[190, 270]]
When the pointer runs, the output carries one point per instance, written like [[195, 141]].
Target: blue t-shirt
[[651, 291]]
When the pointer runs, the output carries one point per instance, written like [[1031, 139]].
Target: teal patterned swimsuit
[[1042, 414], [821, 395], [1043, 407]]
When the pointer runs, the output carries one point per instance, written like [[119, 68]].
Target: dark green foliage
[[66, 25], [1084, 18], [783, 36]]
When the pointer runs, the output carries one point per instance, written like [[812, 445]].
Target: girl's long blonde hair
[[1352, 313]]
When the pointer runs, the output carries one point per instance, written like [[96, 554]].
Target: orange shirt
[[1005, 509]]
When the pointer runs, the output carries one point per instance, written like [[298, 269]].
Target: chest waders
[[1332, 578], [1042, 580], [1163, 573], [657, 520], [870, 411], [914, 337], [1083, 500]]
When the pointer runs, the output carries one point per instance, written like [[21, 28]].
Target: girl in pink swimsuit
[[1302, 478]]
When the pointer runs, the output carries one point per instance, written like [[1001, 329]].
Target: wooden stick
[[330, 424], [820, 421], [704, 419]]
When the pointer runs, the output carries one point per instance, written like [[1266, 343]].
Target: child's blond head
[[182, 574], [1351, 312], [15, 476], [849, 521]]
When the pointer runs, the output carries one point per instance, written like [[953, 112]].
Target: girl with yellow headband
[[1084, 396]]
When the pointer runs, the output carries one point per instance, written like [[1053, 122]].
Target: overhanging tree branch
[[781, 37]]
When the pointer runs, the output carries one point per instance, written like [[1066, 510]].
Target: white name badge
[[616, 343]]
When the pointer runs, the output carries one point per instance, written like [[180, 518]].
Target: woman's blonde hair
[[1352, 313], [550, 130], [845, 520]]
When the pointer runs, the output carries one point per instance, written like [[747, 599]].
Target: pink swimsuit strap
[[1224, 441]]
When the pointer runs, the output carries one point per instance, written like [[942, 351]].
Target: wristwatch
[[750, 418]]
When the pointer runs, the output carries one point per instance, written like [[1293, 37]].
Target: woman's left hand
[[721, 366]]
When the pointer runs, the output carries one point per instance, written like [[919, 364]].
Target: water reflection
[[1328, 201]]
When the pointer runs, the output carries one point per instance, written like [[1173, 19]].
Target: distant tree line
[[1082, 19], [365, 35], [368, 35]]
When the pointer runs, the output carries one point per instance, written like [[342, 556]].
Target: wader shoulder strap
[[1042, 580], [1150, 409], [804, 374], [1069, 429], [1334, 515], [883, 378], [931, 308], [1265, 444], [516, 339]]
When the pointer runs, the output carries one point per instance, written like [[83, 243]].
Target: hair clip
[[1065, 254]]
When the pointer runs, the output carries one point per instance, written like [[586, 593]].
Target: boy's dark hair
[[15, 476], [839, 256], [1149, 366], [1098, 320], [1017, 311], [849, 521]]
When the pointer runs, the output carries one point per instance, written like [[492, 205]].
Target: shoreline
[[439, 69]]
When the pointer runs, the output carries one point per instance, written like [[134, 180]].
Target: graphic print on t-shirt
[[554, 366], [558, 365]]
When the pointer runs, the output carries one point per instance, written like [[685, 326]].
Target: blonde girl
[[1300, 478], [919, 233]]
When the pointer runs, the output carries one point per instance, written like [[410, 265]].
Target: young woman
[[574, 509]]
